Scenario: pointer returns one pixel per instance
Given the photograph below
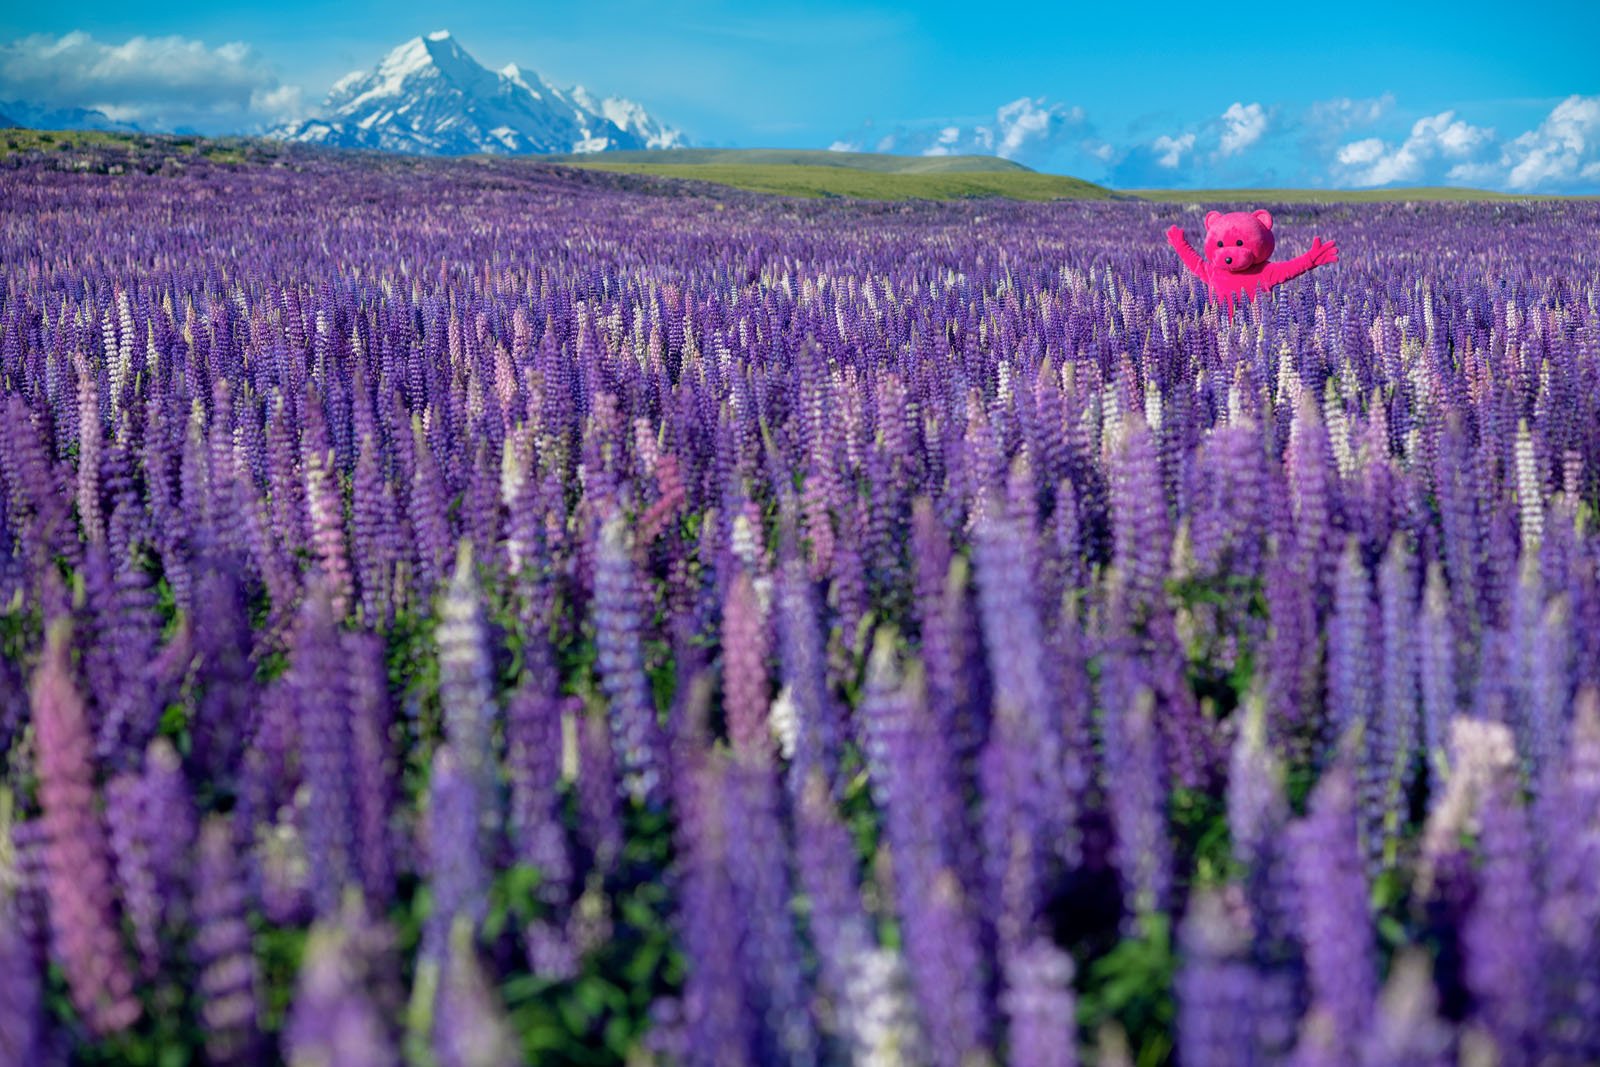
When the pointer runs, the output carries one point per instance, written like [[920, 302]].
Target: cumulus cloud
[[156, 82], [1564, 148], [1242, 126], [1169, 150], [1027, 127], [1371, 161], [845, 146]]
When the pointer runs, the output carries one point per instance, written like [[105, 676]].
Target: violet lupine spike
[[636, 733], [717, 1008], [318, 682], [457, 866], [1143, 530], [533, 757], [1501, 936], [466, 690], [745, 646], [333, 1021], [151, 820], [1570, 915], [469, 1025], [1135, 784], [22, 1018], [1336, 927], [228, 983], [758, 870], [1218, 990], [910, 769], [85, 938], [1040, 1008], [1407, 1030], [373, 768], [818, 729]]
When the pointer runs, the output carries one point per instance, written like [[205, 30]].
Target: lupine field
[[477, 614]]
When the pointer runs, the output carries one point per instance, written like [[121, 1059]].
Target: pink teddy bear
[[1238, 246]]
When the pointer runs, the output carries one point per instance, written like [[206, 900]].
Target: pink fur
[[1238, 253]]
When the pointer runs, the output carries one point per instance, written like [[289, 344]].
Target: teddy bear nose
[[1227, 259]]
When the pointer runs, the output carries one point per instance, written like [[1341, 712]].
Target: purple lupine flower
[[1135, 787], [1406, 1028], [21, 992], [1501, 937], [221, 723], [599, 797], [77, 857], [910, 769], [152, 830], [1436, 672], [758, 871], [1335, 926], [227, 986], [333, 1020], [1398, 700], [636, 734], [533, 749], [469, 1026], [825, 868], [1218, 991], [1142, 528], [457, 870], [466, 692], [1040, 1007], [745, 645], [717, 1007], [318, 682], [818, 730], [1569, 812], [372, 767]]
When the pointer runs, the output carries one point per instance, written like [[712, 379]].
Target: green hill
[[871, 161], [788, 179]]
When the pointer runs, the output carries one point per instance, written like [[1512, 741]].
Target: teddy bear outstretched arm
[[1191, 259], [1320, 252]]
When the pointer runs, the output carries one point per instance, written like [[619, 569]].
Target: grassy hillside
[[138, 149], [817, 181], [786, 172], [871, 161]]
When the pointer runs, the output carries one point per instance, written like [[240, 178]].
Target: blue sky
[[1141, 94]]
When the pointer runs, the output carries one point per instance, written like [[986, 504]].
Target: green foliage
[[1132, 986], [599, 1015]]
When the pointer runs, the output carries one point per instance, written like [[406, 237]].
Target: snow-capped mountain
[[429, 96]]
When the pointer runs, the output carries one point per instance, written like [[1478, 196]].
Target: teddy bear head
[[1238, 240]]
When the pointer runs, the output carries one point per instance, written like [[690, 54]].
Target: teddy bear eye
[[1219, 244], [1239, 243]]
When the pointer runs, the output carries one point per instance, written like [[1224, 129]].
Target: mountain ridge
[[429, 96]]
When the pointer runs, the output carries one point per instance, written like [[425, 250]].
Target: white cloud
[[1359, 153], [1561, 149], [1025, 120], [844, 146], [1023, 127], [158, 82], [1170, 150], [1371, 161], [1345, 113], [1243, 125]]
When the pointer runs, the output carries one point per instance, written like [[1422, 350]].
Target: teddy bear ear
[[1211, 218], [1265, 217]]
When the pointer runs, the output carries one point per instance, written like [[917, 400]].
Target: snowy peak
[[429, 95]]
